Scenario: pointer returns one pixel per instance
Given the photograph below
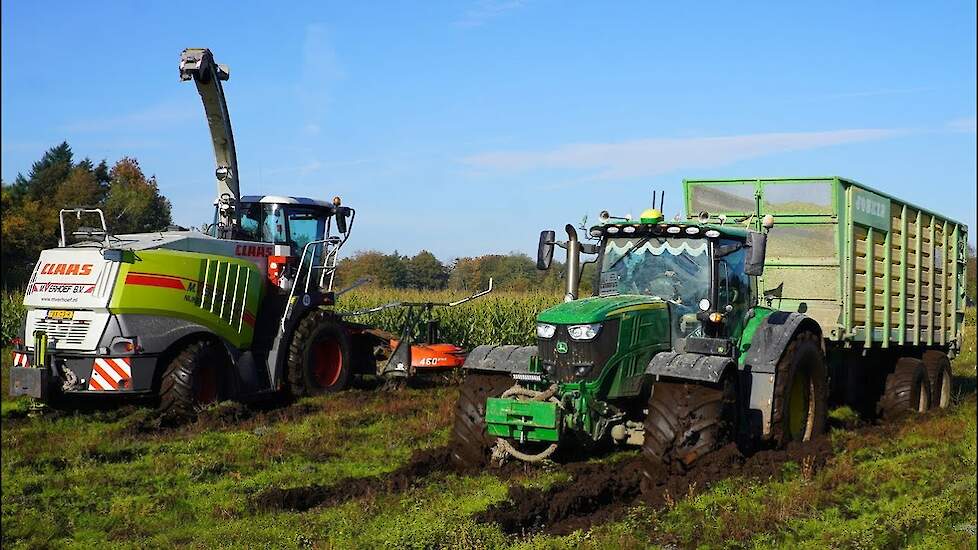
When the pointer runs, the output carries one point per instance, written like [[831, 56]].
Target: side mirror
[[756, 248], [340, 214], [545, 250]]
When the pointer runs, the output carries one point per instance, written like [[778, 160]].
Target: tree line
[[29, 206]]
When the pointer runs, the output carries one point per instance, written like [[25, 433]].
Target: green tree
[[426, 272], [133, 203]]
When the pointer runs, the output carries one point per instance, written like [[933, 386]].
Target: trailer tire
[[906, 390], [319, 356], [686, 421], [938, 368], [469, 444], [799, 406], [193, 379]]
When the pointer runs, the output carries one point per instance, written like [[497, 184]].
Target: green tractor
[[679, 352]]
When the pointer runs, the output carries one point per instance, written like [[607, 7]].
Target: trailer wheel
[[938, 368], [193, 379], [686, 421], [799, 406], [907, 389], [319, 356], [469, 442]]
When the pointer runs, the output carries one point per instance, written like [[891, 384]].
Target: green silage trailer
[[819, 261]]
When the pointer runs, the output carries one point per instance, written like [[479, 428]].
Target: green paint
[[522, 420], [218, 292], [595, 309], [870, 209]]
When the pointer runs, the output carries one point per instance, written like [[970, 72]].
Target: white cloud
[[486, 10], [965, 124], [654, 156]]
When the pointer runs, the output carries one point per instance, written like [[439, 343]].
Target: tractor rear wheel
[[907, 389], [938, 368], [685, 421], [469, 442], [799, 407], [194, 378], [319, 356]]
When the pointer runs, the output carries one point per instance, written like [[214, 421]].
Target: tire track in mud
[[597, 493], [299, 499]]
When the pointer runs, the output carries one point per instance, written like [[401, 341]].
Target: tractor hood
[[597, 309]]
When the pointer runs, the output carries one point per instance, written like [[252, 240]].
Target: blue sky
[[467, 127]]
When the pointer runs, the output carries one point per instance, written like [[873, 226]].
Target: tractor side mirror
[[756, 249], [341, 214], [545, 249]]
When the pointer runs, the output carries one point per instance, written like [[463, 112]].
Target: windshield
[[674, 269]]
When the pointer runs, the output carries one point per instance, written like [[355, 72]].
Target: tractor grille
[[67, 332], [583, 359]]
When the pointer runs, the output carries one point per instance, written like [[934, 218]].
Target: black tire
[[469, 442], [906, 391], [938, 368], [319, 356], [799, 406], [686, 421], [195, 378]]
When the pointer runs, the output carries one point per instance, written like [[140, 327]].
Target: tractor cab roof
[[282, 199]]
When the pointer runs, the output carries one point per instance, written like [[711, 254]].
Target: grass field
[[113, 479]]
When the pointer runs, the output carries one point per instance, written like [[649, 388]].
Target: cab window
[[305, 225], [273, 226], [251, 222]]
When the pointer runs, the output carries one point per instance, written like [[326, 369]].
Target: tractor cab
[[701, 270]]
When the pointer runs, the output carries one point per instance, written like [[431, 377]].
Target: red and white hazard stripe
[[110, 375], [22, 359]]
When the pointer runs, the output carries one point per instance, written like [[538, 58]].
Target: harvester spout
[[198, 64]]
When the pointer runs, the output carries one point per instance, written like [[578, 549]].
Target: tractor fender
[[501, 359], [689, 366], [761, 360]]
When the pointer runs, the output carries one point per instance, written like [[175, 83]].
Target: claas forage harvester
[[188, 318]]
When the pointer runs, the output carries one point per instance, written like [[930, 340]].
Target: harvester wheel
[[469, 442], [319, 356], [685, 421], [194, 379], [907, 389], [799, 407], [938, 368]]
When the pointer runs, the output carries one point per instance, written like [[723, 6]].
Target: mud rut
[[595, 493]]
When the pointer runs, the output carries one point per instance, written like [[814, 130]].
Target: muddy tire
[[799, 406], [195, 378], [906, 391], [686, 421], [938, 368], [469, 442], [319, 356]]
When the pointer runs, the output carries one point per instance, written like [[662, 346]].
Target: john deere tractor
[[679, 352]]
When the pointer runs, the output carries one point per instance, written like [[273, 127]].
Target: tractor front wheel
[[193, 379], [319, 356], [685, 421], [470, 442]]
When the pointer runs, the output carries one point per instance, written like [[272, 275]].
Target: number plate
[[60, 314]]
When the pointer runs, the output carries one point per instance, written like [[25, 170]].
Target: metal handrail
[[78, 213]]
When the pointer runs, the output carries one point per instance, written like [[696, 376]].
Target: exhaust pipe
[[573, 263]]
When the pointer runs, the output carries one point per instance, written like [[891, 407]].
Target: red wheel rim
[[327, 362], [205, 385]]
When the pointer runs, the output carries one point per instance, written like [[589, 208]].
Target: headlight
[[583, 332], [545, 331]]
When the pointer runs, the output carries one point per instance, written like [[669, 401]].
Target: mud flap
[[689, 366], [29, 381]]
